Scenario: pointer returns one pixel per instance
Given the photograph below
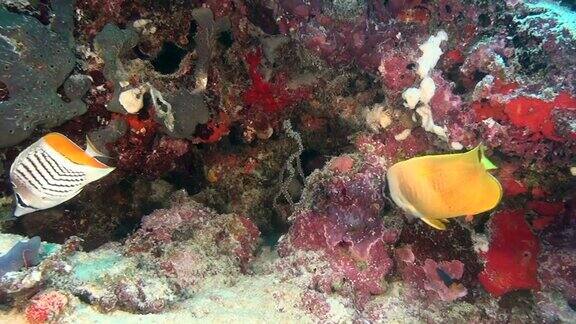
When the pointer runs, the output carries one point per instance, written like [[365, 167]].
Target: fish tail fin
[[92, 150], [486, 163]]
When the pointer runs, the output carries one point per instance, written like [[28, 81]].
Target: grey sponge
[[35, 60]]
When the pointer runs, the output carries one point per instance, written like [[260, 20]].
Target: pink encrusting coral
[[46, 307], [343, 223], [385, 145], [398, 71], [430, 280], [453, 270], [205, 157], [512, 259]]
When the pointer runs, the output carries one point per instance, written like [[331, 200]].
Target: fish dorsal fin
[[486, 163], [64, 146]]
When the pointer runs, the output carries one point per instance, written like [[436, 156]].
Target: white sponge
[[431, 53]]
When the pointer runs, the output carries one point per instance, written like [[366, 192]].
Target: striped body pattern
[[52, 171]]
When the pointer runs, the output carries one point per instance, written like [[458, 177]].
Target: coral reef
[[46, 307], [251, 141], [339, 216], [438, 281]]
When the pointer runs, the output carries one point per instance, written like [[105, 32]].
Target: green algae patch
[[48, 249], [94, 267]]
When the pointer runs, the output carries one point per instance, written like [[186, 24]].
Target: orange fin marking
[[469, 218], [71, 151]]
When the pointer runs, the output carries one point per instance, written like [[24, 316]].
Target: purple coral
[[557, 262], [431, 280], [345, 225], [234, 235]]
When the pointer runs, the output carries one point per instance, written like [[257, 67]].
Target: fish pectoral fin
[[445, 220], [437, 224]]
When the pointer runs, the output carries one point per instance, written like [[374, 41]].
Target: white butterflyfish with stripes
[[51, 171]]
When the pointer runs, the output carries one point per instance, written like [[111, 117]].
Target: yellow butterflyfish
[[435, 188]]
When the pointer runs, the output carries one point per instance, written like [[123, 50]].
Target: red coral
[[419, 15], [265, 96], [531, 113], [548, 211], [397, 6], [512, 186], [163, 155], [45, 307], [536, 114], [214, 130], [485, 109], [142, 150], [511, 261]]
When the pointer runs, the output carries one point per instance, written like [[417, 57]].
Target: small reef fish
[[455, 287], [448, 281], [437, 187], [51, 171]]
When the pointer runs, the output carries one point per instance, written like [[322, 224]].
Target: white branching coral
[[431, 53]]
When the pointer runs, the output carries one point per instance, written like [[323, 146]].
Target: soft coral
[[268, 97], [524, 111], [511, 261]]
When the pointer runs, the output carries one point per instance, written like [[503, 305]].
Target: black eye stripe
[[22, 203]]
